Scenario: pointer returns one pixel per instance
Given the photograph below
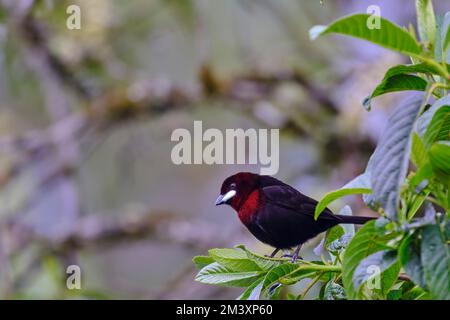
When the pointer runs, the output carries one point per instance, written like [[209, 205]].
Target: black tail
[[354, 219]]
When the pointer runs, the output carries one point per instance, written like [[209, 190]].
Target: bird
[[276, 213]]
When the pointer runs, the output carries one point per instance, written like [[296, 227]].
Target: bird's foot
[[294, 259], [272, 254], [296, 254], [287, 254]]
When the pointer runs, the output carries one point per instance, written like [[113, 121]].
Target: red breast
[[250, 207]]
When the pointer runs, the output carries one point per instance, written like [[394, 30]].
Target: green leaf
[[416, 204], [412, 32], [275, 274], [435, 257], [418, 151], [409, 256], [401, 82], [425, 119], [425, 172], [395, 294], [339, 244], [364, 243], [440, 160], [219, 275], [291, 296], [415, 293], [426, 21], [389, 277], [253, 292], [399, 78], [388, 35], [334, 291], [359, 185], [332, 196], [264, 263], [389, 163], [439, 127], [202, 261], [441, 52], [446, 43], [382, 261], [333, 234], [233, 259]]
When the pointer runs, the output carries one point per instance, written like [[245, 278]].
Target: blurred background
[[86, 118]]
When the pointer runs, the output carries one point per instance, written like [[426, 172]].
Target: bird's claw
[[294, 259]]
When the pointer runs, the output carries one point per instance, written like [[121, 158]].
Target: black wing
[[287, 197], [287, 217]]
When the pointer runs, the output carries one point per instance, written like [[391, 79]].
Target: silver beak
[[221, 199]]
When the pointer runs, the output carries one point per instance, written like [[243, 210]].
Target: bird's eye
[[233, 185]]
